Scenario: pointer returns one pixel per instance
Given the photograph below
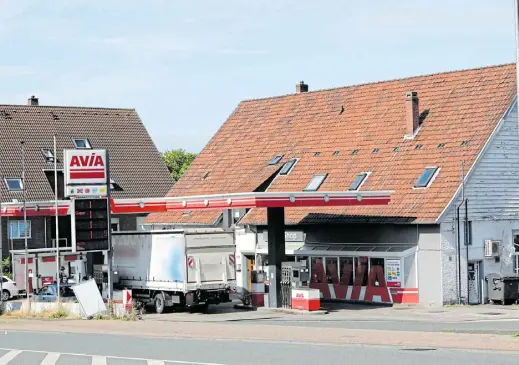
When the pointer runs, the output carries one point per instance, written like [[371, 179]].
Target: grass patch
[[49, 313], [516, 335]]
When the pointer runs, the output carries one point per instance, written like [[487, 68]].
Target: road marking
[[155, 362], [98, 360], [51, 358], [4, 360], [182, 362]]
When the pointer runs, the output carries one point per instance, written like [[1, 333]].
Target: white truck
[[176, 268]]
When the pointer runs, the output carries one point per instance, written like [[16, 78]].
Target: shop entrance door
[[474, 283]]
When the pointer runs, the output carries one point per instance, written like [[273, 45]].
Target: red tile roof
[[461, 106]]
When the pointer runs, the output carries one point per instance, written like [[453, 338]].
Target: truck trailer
[[176, 268]]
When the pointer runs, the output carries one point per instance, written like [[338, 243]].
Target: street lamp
[[22, 148]]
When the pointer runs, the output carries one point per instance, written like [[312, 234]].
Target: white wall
[[501, 230], [245, 245], [429, 267]]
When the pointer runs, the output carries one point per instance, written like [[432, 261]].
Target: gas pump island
[[286, 280]]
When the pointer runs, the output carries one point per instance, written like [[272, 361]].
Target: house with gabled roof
[[445, 144], [136, 166]]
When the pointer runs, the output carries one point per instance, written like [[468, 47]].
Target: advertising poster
[[393, 273]]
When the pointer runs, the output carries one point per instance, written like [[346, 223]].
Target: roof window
[[317, 154], [275, 159], [425, 179], [205, 175], [316, 182], [14, 184], [287, 167], [464, 143], [48, 155], [355, 152], [375, 150], [441, 145], [359, 180], [418, 147], [396, 149], [336, 153], [81, 143]]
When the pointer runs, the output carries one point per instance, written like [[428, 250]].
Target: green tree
[[5, 267], [178, 161]]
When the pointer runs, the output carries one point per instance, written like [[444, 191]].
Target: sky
[[185, 65]]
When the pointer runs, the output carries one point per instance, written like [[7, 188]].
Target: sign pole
[[109, 236], [57, 220]]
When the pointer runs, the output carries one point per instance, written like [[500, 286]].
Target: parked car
[[9, 289], [48, 293]]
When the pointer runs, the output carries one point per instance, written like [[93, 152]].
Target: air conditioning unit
[[492, 248]]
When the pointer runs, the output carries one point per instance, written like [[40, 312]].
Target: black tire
[[6, 295], [159, 302]]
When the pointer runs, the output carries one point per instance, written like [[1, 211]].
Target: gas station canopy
[[211, 202]]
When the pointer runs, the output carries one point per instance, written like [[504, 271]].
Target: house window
[[316, 182], [288, 166], [14, 184], [515, 253], [425, 179], [115, 225], [275, 159], [48, 155], [468, 227], [81, 143], [359, 179], [17, 229]]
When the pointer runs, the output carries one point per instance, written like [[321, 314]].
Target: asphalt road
[[36, 348]]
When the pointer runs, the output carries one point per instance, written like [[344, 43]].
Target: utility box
[[503, 289]]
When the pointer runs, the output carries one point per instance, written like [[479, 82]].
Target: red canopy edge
[[212, 202]]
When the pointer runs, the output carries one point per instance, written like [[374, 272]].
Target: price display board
[[91, 224]]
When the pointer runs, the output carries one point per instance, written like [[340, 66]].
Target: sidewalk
[[271, 333]]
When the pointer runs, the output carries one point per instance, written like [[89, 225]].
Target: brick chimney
[[412, 113], [32, 101], [301, 87]]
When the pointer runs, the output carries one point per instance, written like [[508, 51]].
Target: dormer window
[[14, 184], [359, 180], [425, 179], [316, 182], [48, 155], [275, 160], [81, 143], [287, 167]]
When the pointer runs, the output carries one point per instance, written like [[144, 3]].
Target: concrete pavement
[[39, 348]]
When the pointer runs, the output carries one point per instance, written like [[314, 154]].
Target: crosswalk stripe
[[4, 360], [98, 360], [155, 362], [50, 359]]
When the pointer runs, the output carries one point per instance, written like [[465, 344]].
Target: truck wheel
[[159, 303]]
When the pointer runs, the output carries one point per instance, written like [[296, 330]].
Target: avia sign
[[85, 167]]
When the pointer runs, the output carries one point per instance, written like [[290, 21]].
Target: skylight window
[[275, 159], [425, 179], [317, 154], [375, 150], [464, 143], [355, 152], [81, 143], [441, 145], [359, 179], [316, 182], [336, 153], [396, 149], [287, 167], [48, 155], [14, 184], [418, 147], [206, 175]]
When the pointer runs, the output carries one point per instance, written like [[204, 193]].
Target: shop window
[[332, 274], [361, 271], [317, 270], [376, 272], [17, 229], [346, 265]]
